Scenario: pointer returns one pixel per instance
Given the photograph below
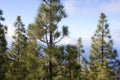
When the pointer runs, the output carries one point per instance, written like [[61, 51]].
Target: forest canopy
[[28, 59]]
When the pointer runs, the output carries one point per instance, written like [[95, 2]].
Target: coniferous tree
[[73, 68], [3, 44], [102, 52], [117, 65], [17, 53], [116, 69], [70, 58], [33, 63], [45, 29], [83, 71]]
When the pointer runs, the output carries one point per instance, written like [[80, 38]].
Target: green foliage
[[45, 27], [102, 52], [33, 65], [34, 54], [3, 42], [3, 48], [17, 53]]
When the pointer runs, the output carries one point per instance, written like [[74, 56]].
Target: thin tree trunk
[[102, 44], [51, 44]]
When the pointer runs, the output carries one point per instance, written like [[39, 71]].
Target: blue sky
[[83, 16], [27, 9]]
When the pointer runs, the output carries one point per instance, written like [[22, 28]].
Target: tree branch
[[42, 41], [59, 39], [46, 2]]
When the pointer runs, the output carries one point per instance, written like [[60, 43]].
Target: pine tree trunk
[[51, 44], [102, 44]]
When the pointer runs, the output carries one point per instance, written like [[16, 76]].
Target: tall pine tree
[[45, 28], [17, 53], [102, 52], [3, 44], [69, 58]]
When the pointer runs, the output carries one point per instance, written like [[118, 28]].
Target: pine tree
[[3, 47], [3, 42], [17, 53], [117, 65], [102, 52], [73, 68], [83, 71], [33, 63], [80, 50], [45, 29], [70, 58]]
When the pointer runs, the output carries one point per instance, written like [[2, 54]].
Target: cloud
[[115, 23], [67, 40], [116, 36], [70, 6], [92, 7], [112, 7], [73, 41], [86, 41], [9, 34], [116, 40]]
